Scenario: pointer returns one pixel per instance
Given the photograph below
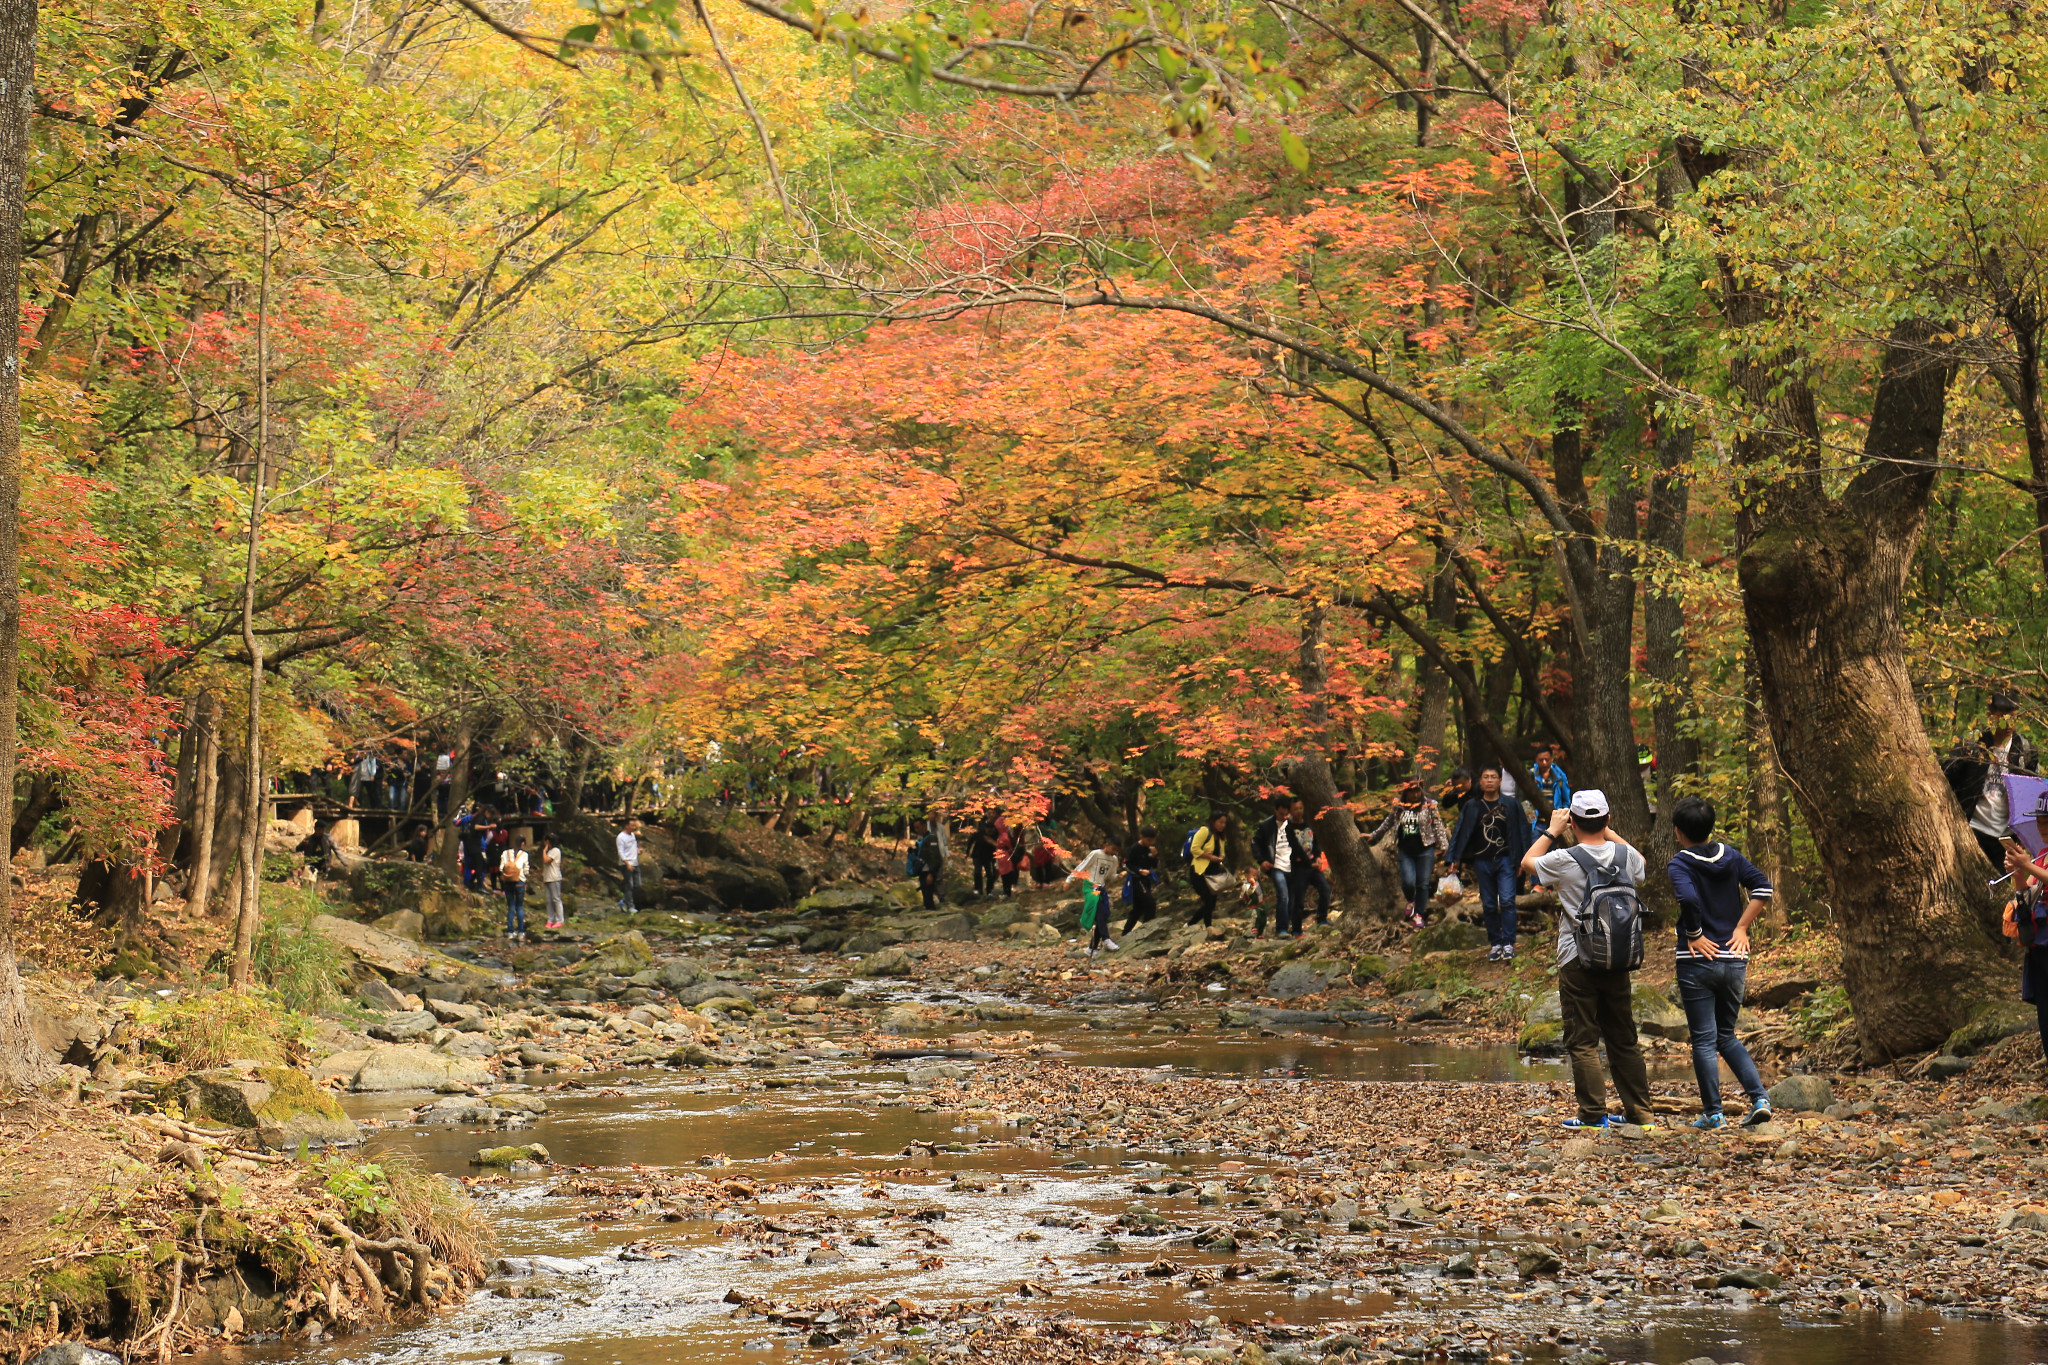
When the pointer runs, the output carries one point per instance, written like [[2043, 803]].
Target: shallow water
[[843, 1124]]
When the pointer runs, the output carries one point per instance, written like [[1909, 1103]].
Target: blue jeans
[[1286, 904], [1496, 878], [1418, 878], [629, 887], [515, 907], [1712, 994]]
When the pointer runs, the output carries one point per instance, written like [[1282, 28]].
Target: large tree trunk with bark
[[23, 1063], [233, 788], [1665, 656], [1770, 819], [1823, 579], [1360, 878], [1433, 707]]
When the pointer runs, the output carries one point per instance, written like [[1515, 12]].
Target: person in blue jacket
[[1720, 894]]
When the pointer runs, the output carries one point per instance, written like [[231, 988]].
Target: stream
[[975, 1225]]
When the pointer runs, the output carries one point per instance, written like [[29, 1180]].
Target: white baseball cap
[[1590, 804]]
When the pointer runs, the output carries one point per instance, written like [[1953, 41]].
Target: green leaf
[[1295, 149]]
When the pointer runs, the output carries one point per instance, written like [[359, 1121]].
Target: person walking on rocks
[[1312, 877], [512, 869], [927, 862], [1488, 845], [628, 844], [1141, 864], [2027, 920], [2005, 750], [551, 879], [1280, 855], [982, 849], [1599, 946], [1720, 894], [1418, 841], [1206, 848], [1102, 869]]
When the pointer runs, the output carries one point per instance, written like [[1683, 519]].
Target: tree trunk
[[23, 1063], [1666, 658], [253, 806], [1432, 712], [458, 792], [206, 793], [227, 824], [43, 797], [1823, 578], [1770, 826], [579, 770], [1359, 877]]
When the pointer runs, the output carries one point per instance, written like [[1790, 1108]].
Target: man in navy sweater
[[1720, 894]]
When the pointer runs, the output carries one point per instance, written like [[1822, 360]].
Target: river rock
[[1369, 969], [680, 972], [378, 995], [1779, 994], [1656, 1015], [404, 1028], [838, 900], [1993, 1024], [73, 1353], [452, 1011], [705, 991], [1421, 1006], [887, 962], [1948, 1066], [505, 1156], [958, 928], [1002, 1011], [471, 1045], [279, 1102], [1301, 978], [415, 1068], [1796, 1094], [387, 953], [534, 1055], [1543, 1026], [619, 955], [869, 941], [909, 1018]]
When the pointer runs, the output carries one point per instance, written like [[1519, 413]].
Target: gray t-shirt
[[1559, 869]]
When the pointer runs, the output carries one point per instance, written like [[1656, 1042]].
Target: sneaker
[[1708, 1122], [1109, 945], [1758, 1116], [1507, 952], [1576, 1123], [1493, 953]]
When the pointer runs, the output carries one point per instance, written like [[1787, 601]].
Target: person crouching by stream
[[1102, 869], [2026, 919]]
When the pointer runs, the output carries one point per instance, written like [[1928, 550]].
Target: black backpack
[[1967, 768], [1608, 930]]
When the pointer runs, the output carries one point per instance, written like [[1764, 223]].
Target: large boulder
[[1992, 1024], [280, 1103], [1303, 978], [67, 1027], [1656, 1015], [414, 1068], [680, 972], [386, 953], [744, 886], [378, 995], [404, 923]]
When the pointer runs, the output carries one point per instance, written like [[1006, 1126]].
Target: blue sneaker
[[1758, 1116], [1707, 1122], [1575, 1123]]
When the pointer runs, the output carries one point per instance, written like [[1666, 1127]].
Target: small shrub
[[213, 1029], [1826, 1013], [302, 967]]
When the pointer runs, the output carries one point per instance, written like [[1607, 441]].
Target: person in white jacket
[[629, 865]]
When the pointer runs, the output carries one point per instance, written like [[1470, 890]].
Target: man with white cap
[[1597, 997]]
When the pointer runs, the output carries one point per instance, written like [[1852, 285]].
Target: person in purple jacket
[[1720, 894]]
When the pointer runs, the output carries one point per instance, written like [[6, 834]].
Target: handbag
[[1220, 881]]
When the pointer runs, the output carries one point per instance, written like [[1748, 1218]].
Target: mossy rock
[[1447, 936], [1992, 1024], [280, 1103], [1544, 1038], [620, 955], [505, 1156], [730, 1004], [1656, 1015], [1370, 968]]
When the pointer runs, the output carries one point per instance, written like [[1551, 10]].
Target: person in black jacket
[[1720, 894], [1281, 858], [1487, 846], [1141, 862]]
